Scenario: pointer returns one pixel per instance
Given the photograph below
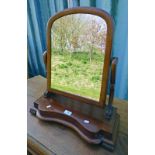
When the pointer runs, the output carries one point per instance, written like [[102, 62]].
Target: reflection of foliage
[[78, 43], [95, 78], [80, 33], [72, 75]]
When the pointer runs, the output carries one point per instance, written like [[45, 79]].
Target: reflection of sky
[[90, 17]]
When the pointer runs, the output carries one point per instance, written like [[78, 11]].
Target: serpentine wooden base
[[92, 130]]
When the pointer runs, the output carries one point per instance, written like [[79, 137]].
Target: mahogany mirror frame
[[109, 22]]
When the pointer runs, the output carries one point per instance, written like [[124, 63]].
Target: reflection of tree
[[95, 37], [59, 29], [92, 36], [79, 32]]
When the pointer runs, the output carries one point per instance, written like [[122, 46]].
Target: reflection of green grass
[[90, 93], [75, 74]]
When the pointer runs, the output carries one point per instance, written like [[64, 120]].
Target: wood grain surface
[[53, 138]]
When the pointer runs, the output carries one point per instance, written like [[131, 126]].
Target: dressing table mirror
[[79, 71]]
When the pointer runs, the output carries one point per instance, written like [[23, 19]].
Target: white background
[[13, 77]]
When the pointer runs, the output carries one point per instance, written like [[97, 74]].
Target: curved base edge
[[108, 144]]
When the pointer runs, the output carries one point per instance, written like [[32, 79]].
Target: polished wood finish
[[112, 79], [54, 138], [109, 21], [97, 124], [97, 131]]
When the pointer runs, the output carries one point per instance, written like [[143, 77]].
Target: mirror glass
[[77, 54]]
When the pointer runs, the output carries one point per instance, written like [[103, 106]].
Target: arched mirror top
[[79, 42]]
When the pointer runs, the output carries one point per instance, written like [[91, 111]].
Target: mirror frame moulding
[[109, 21]]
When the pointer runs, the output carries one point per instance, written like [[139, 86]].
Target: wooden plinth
[[92, 130]]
